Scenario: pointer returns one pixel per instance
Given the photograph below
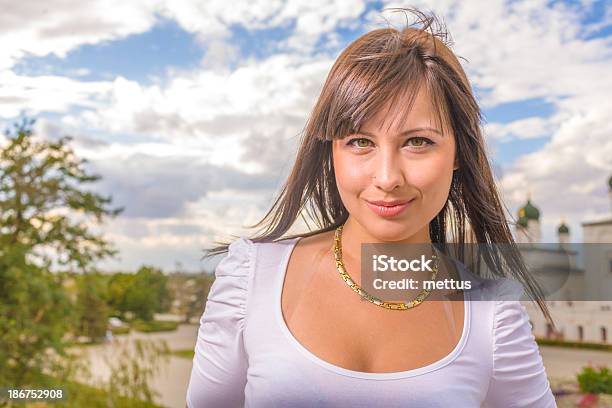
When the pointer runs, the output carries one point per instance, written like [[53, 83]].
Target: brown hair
[[378, 69]]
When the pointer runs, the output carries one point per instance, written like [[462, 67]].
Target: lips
[[390, 208], [389, 203]]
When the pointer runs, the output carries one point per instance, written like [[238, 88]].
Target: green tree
[[118, 285], [196, 292], [43, 213], [34, 316], [142, 293], [147, 293], [91, 308], [133, 367], [41, 199]]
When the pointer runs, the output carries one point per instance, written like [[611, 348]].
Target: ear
[[456, 161]]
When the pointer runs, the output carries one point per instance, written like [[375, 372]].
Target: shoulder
[[508, 313], [313, 246], [518, 371], [229, 291], [238, 260], [500, 301], [511, 319], [306, 247], [246, 259], [498, 289]]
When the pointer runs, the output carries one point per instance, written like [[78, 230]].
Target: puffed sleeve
[[519, 377], [218, 375]]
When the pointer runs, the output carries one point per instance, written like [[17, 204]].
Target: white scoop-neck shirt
[[246, 356]]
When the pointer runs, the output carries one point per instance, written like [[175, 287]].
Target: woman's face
[[411, 164]]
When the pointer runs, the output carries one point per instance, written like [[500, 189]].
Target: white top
[[245, 354]]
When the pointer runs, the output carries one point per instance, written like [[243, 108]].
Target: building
[[579, 297]]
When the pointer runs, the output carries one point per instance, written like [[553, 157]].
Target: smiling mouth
[[389, 211]]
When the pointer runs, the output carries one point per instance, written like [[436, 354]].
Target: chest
[[333, 323]]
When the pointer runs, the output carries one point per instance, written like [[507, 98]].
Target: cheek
[[349, 176], [433, 177]]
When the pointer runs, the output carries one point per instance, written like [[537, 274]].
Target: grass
[[153, 326], [574, 344], [183, 353], [120, 330], [81, 395]]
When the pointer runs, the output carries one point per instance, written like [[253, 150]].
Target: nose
[[387, 174]]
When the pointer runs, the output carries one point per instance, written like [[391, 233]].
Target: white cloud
[[528, 128], [160, 242], [569, 174], [47, 94], [523, 50], [219, 55], [315, 18], [59, 26], [221, 117], [193, 104]]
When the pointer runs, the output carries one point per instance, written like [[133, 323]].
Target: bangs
[[384, 82]]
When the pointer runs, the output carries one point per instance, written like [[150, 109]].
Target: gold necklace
[[365, 295]]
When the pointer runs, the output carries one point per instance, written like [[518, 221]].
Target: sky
[[191, 110]]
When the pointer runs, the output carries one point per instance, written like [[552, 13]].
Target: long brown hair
[[382, 68]]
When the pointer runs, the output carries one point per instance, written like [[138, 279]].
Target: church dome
[[563, 229], [529, 211], [522, 221], [610, 183]]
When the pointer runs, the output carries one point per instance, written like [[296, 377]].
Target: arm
[[519, 377], [218, 376]]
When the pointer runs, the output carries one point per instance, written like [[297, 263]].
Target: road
[[173, 377], [172, 380], [565, 363]]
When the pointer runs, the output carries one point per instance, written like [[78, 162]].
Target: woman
[[396, 123]]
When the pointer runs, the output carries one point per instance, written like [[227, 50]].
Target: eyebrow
[[405, 132]]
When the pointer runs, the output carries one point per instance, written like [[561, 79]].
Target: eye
[[358, 139], [417, 142], [420, 142]]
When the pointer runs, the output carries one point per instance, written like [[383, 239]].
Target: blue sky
[[149, 86], [137, 57]]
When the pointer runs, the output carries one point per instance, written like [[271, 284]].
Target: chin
[[390, 229]]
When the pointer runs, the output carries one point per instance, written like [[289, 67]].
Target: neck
[[354, 234]]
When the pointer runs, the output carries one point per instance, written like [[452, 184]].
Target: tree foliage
[[133, 367], [44, 210], [42, 201], [141, 294], [91, 308], [34, 316]]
